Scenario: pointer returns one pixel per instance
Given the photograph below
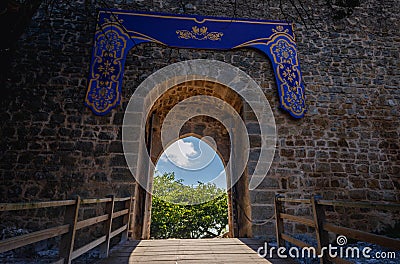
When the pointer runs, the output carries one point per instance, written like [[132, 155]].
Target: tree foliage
[[181, 211]]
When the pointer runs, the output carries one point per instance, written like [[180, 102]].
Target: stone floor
[[217, 250]]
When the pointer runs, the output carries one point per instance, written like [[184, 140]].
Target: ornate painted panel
[[118, 31]]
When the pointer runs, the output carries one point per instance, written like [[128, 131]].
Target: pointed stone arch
[[137, 141]]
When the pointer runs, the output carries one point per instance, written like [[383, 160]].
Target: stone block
[[84, 146], [322, 167], [360, 194], [253, 128], [261, 212], [106, 136], [57, 118], [262, 197], [287, 153], [118, 161], [99, 177], [115, 147]]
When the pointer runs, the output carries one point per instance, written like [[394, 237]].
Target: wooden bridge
[[117, 222], [175, 251]]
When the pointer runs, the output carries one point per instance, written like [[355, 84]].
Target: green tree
[[181, 211]]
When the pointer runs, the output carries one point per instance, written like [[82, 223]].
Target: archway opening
[[205, 126], [236, 97], [190, 198]]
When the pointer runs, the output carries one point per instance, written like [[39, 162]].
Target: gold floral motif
[[280, 29], [288, 74], [284, 52], [110, 43], [106, 69], [199, 34], [113, 19]]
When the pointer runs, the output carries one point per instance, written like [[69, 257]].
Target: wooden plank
[[295, 241], [105, 247], [23, 240], [278, 221], [224, 250], [119, 213], [126, 219], [364, 236], [93, 201], [132, 216], [118, 231], [37, 205], [373, 205], [148, 169], [123, 199], [301, 220], [137, 220], [289, 200], [68, 239], [91, 221], [34, 205], [319, 220], [88, 247]]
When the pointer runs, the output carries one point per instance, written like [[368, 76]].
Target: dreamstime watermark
[[341, 251]]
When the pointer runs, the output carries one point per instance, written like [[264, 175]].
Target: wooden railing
[[70, 225], [322, 227]]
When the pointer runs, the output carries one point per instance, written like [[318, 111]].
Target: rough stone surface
[[346, 147], [199, 126]]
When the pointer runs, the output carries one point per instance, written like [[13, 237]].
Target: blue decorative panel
[[118, 31]]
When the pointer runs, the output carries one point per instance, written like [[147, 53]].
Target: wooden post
[[68, 239], [132, 218], [138, 212], [127, 220], [154, 122], [147, 214], [278, 222], [105, 246], [321, 234]]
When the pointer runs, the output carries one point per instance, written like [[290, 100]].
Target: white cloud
[[179, 153], [189, 153]]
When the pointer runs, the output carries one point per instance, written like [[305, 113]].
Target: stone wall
[[346, 147]]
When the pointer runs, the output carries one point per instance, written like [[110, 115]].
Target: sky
[[192, 160]]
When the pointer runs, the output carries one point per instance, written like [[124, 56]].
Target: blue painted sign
[[118, 31]]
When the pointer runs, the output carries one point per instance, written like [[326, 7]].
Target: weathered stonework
[[231, 87], [200, 125], [346, 147]]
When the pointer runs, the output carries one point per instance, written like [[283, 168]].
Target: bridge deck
[[219, 250]]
